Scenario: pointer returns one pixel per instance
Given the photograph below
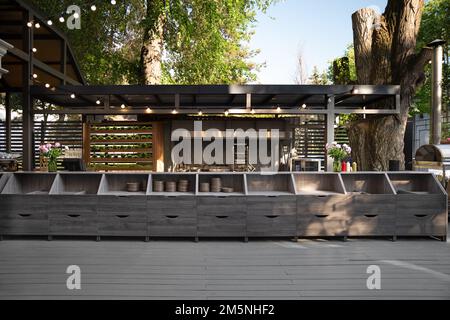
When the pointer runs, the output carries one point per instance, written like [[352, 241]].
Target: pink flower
[[57, 145], [44, 149]]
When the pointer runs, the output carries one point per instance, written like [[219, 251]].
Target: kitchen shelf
[[175, 177], [367, 183], [318, 184], [116, 184], [270, 184], [76, 184], [230, 180], [29, 184]]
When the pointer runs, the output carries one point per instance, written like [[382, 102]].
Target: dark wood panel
[[271, 225], [123, 224], [281, 205], [224, 224], [177, 224]]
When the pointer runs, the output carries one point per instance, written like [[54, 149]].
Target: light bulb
[[98, 102], [76, 15], [148, 110], [253, 111], [123, 106], [61, 19], [37, 25], [303, 106], [200, 112], [35, 75], [113, 2], [278, 109], [73, 96], [29, 24], [47, 85], [50, 22], [93, 7], [34, 50], [227, 113]]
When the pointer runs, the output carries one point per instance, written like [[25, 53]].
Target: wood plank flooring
[[279, 269]]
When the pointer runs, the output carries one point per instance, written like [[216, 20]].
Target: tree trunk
[[152, 48], [386, 55]]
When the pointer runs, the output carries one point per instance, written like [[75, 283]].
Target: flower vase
[[43, 164], [52, 165], [337, 166]]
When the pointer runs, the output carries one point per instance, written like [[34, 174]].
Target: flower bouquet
[[51, 153], [338, 153]]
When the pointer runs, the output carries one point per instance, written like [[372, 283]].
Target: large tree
[[385, 53], [164, 41]]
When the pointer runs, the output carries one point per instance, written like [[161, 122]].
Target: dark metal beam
[[27, 101], [8, 122], [230, 90]]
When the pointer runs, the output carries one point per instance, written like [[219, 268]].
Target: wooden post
[[8, 122], [27, 101], [330, 129]]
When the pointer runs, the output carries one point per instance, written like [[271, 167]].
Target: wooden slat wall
[[68, 133], [310, 138]]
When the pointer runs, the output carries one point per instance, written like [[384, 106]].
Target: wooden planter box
[[321, 204], [73, 204], [371, 211], [421, 205], [24, 204], [120, 212], [172, 216], [271, 206]]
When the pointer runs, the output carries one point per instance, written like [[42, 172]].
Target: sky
[[320, 29]]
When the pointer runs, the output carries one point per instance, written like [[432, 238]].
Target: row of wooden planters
[[334, 215]]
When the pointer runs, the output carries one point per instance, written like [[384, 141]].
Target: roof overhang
[[215, 99], [53, 62]]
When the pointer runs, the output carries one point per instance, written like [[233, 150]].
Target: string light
[[29, 24], [61, 19], [174, 111], [148, 110], [200, 112], [76, 15], [73, 96], [113, 2], [98, 102], [253, 111], [35, 75], [303, 106], [50, 22], [47, 85], [93, 7], [123, 106], [227, 113], [37, 25], [278, 109]]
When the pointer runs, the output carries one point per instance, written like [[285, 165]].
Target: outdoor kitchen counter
[[239, 204]]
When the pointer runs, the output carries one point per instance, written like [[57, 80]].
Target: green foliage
[[435, 25], [336, 73], [204, 40], [108, 45], [318, 78]]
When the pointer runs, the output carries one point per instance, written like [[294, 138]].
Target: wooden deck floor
[[410, 269]]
